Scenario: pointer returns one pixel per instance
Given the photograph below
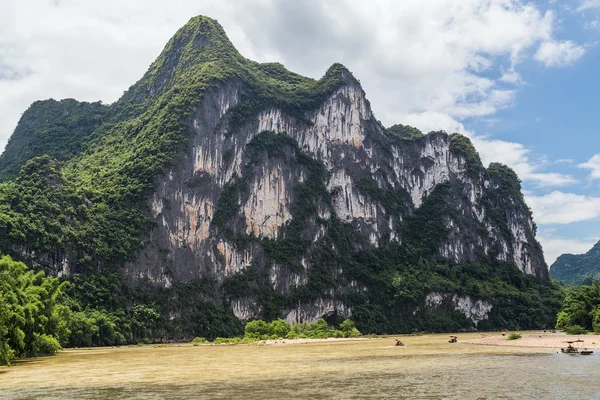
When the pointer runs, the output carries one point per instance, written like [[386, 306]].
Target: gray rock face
[[361, 161]]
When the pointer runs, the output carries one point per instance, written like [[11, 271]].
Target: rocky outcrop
[[475, 310]]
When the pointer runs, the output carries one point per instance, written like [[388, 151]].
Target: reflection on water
[[428, 367]]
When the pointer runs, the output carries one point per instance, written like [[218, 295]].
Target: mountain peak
[[202, 42], [575, 269], [199, 32], [340, 71], [594, 250]]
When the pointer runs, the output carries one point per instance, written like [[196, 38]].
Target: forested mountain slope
[[575, 269]]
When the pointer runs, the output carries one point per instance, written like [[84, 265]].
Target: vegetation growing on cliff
[[404, 132], [60, 129], [577, 269], [462, 146]]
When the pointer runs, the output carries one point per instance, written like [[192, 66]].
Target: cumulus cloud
[[559, 54], [563, 208], [443, 58], [519, 158], [593, 164]]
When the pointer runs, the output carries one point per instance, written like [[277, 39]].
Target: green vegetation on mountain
[[404, 132], [60, 129], [462, 146], [572, 269]]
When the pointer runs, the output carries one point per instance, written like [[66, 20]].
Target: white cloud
[[553, 53], [518, 157], [415, 58], [511, 76], [589, 4], [555, 246], [563, 208], [593, 164]]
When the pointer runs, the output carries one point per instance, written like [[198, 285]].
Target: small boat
[[572, 350], [569, 350]]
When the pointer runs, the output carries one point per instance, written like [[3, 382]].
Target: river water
[[427, 368]]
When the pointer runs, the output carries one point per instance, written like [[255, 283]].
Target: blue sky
[[555, 114], [518, 77]]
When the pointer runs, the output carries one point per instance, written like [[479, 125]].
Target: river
[[427, 368]]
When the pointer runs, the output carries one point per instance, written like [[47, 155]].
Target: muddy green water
[[427, 368]]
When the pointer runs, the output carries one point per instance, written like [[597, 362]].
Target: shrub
[[513, 336], [575, 330], [280, 328], [45, 345], [291, 335], [257, 329], [318, 329], [349, 329], [198, 341], [337, 334], [234, 340]]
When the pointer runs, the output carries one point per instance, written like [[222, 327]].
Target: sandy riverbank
[[304, 341], [528, 339], [537, 339]]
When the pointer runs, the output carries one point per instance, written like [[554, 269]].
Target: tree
[[581, 308], [31, 323]]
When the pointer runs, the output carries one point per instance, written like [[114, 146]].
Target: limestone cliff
[[372, 182]]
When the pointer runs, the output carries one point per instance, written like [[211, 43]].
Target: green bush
[[198, 341], [349, 329], [257, 329], [576, 330], [45, 345], [233, 340], [292, 335], [31, 323], [513, 336], [318, 329], [280, 328]]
